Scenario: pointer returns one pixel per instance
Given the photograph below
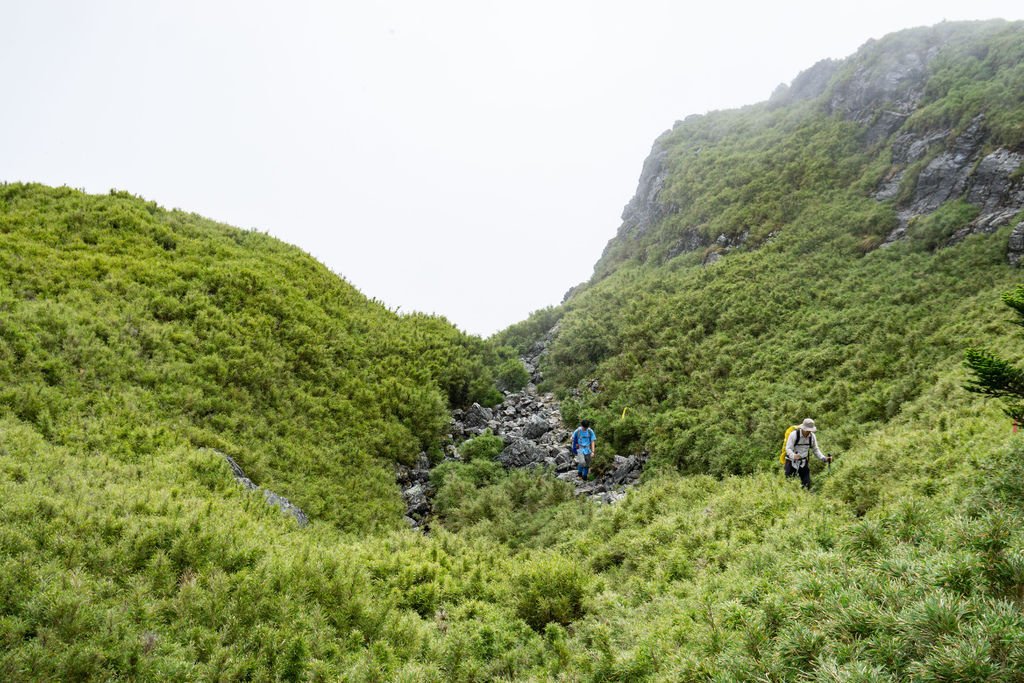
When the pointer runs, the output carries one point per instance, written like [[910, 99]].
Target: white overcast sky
[[467, 158]]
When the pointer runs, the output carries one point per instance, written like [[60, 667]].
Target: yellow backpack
[[785, 440]]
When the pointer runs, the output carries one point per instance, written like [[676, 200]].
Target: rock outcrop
[[883, 91], [416, 489], [808, 85], [1015, 248], [530, 423], [957, 170], [269, 496], [644, 210], [880, 88]]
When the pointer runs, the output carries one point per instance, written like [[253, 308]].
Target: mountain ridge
[[139, 347], [886, 88]]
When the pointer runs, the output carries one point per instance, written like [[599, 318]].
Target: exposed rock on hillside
[[880, 88], [644, 211], [808, 85], [883, 92], [530, 422], [416, 489], [1015, 249], [959, 169], [272, 498]]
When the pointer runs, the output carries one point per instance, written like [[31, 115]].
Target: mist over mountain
[[828, 253]]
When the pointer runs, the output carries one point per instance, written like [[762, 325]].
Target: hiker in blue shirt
[[583, 440]]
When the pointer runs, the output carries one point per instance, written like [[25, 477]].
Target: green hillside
[[829, 253], [754, 289], [129, 330]]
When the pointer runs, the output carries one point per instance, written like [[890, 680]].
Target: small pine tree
[[994, 376]]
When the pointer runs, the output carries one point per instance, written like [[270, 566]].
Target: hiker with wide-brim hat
[[799, 445]]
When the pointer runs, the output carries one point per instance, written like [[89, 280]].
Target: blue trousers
[[584, 469]]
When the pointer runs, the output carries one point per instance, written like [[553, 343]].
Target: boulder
[[416, 501], [521, 453], [477, 417], [536, 427], [1015, 247], [286, 505]]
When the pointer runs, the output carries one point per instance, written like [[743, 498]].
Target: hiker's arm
[[817, 451]]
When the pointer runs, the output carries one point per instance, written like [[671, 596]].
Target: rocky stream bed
[[530, 422]]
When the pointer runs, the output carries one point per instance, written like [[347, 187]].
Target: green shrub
[[512, 375], [486, 446], [934, 230], [550, 589]]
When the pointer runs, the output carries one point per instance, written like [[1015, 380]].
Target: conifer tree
[[994, 376]]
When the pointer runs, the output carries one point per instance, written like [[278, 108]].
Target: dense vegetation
[[133, 340], [809, 316], [129, 330]]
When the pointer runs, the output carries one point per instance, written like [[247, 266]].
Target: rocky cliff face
[[955, 167], [886, 87], [879, 88]]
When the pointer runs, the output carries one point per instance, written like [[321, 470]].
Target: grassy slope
[[128, 551], [812, 318], [129, 330]]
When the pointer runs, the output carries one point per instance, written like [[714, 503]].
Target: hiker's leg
[[805, 475], [790, 472]]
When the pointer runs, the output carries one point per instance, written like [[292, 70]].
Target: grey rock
[[269, 496], [890, 187], [286, 506], [521, 453], [689, 240], [911, 147], [808, 84], [643, 211], [885, 124], [417, 501], [1015, 247], [891, 83], [990, 187], [477, 416], [612, 497], [945, 176], [238, 473], [403, 475], [536, 427], [958, 172]]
